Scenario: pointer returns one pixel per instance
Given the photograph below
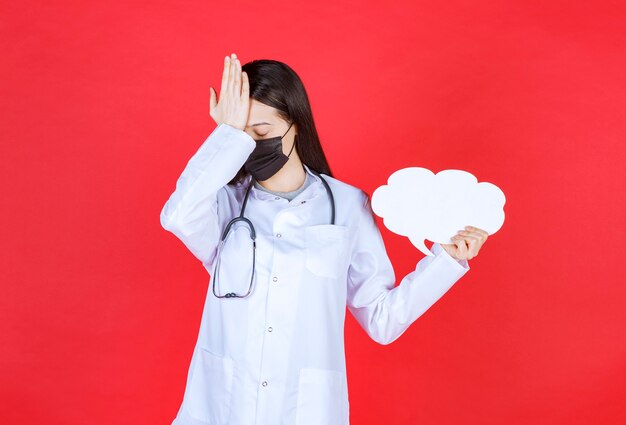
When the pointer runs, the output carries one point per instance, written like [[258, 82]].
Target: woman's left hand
[[467, 243]]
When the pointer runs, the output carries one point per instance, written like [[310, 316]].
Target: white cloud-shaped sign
[[422, 205]]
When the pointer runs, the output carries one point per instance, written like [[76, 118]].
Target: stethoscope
[[253, 236]]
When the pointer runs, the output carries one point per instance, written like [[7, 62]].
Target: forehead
[[261, 111]]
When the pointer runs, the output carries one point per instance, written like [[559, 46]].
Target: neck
[[288, 178]]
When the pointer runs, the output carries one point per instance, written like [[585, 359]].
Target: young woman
[[288, 248]]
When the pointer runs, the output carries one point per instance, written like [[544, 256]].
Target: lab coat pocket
[[325, 248], [320, 398], [210, 388]]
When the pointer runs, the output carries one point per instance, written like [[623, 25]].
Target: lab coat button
[[277, 198], [275, 279], [270, 329], [264, 383], [278, 235]]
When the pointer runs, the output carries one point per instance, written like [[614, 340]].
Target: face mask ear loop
[[287, 130], [294, 140]]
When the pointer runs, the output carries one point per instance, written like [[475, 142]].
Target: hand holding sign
[[422, 205]]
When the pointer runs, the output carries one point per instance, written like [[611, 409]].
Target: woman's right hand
[[234, 102]]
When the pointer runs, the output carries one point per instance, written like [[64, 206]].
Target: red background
[[102, 104]]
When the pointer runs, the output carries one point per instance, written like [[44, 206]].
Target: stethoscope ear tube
[[245, 201], [330, 195]]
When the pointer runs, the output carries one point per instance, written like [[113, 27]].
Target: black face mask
[[267, 157]]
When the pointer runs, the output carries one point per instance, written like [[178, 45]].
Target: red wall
[[102, 104]]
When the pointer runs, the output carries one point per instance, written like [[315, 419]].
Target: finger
[[213, 102], [475, 234], [237, 78], [474, 245], [245, 86], [476, 238], [461, 247], [476, 229], [471, 236], [225, 76], [231, 74]]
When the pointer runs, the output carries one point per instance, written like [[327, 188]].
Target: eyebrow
[[259, 123]]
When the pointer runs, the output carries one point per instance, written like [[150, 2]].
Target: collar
[[310, 192]]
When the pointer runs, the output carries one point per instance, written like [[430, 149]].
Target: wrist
[[233, 125]]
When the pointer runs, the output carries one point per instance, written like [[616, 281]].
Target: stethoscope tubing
[[253, 233]]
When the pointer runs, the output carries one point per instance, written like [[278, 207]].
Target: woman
[[270, 348]]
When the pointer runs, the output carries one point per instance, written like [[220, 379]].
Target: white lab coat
[[277, 357]]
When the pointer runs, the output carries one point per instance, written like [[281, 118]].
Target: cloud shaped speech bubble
[[422, 205]]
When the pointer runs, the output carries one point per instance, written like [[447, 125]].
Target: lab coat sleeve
[[383, 309], [191, 212]]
